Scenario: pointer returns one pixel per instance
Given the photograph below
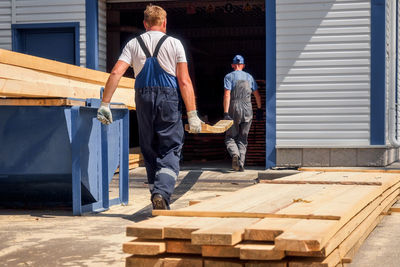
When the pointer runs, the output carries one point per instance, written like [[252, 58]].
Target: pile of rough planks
[[29, 76], [308, 219]]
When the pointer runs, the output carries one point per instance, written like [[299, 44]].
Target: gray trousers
[[236, 140]]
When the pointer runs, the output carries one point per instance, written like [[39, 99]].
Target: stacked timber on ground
[[29, 76], [308, 219], [135, 158]]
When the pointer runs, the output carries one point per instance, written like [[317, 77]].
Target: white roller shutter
[[323, 72]]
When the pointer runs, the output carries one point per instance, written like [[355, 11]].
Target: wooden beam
[[318, 182], [306, 169], [227, 232], [59, 68], [220, 127], [143, 247]]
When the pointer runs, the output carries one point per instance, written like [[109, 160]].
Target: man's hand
[[104, 113], [194, 122], [227, 117], [259, 114]]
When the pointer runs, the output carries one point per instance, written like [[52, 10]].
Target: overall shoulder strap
[[160, 42], [143, 46]]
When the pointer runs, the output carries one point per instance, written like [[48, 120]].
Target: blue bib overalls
[[159, 114]]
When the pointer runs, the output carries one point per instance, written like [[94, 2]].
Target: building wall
[[323, 73], [52, 11]]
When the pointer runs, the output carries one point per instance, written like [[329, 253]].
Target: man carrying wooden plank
[[160, 67], [237, 106]]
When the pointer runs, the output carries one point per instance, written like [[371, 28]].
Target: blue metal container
[[52, 155]]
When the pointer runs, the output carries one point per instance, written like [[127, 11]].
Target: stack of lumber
[[135, 158], [308, 219], [256, 140], [29, 76]]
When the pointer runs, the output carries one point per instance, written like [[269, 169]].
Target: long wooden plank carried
[[220, 127], [59, 68]]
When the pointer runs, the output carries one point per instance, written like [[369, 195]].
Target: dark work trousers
[[159, 113], [241, 112]]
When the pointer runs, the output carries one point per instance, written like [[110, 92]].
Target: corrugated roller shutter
[[390, 62], [323, 72], [5, 25], [396, 34]]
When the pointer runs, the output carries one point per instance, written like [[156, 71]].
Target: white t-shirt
[[171, 52]]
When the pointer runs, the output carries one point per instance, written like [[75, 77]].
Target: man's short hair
[[154, 15]]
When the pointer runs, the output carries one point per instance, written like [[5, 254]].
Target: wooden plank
[[220, 127], [222, 263], [220, 251], [258, 204], [163, 261], [373, 209], [221, 214], [314, 235], [318, 182], [20, 88], [152, 228], [182, 246], [59, 68], [17, 101], [331, 261], [143, 247], [281, 263], [395, 207], [306, 169], [268, 229], [227, 232], [260, 252], [182, 229]]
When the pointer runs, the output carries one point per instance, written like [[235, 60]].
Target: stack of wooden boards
[[29, 76], [308, 219], [135, 158]]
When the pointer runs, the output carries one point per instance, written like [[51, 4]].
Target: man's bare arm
[[186, 86], [227, 100], [113, 80], [258, 98]]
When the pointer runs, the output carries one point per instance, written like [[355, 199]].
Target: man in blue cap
[[237, 106], [162, 81]]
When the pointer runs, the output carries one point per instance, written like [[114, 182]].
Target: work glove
[[104, 113], [259, 114], [194, 122], [227, 117]]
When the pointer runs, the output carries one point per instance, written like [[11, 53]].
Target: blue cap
[[238, 59]]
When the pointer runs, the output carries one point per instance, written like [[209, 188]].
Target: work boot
[[235, 162], [241, 168], [159, 202]]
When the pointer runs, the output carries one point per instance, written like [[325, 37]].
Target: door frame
[[16, 30]]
